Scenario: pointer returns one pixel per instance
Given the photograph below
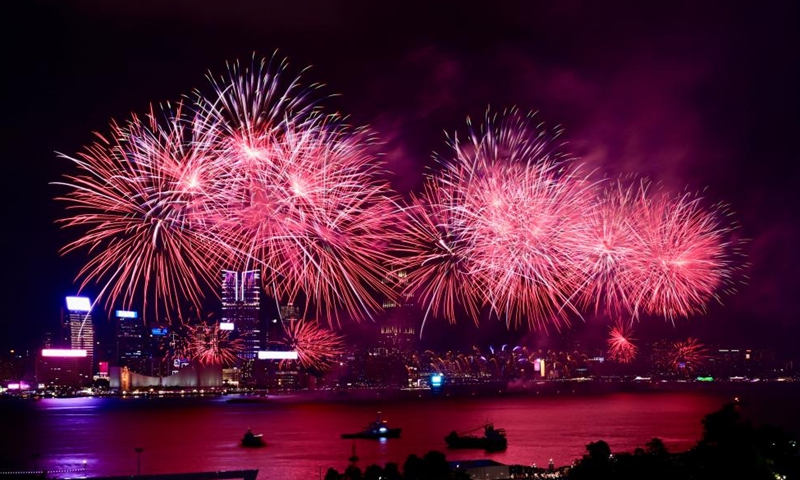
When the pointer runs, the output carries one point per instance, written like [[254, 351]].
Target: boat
[[247, 399], [493, 439], [251, 439], [376, 429]]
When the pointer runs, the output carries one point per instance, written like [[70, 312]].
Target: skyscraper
[[78, 324], [132, 350], [241, 309]]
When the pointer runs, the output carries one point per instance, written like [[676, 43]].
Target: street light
[[139, 451]]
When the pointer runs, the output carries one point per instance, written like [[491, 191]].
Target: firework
[[682, 258], [436, 259], [253, 177], [499, 220], [686, 356], [316, 346], [605, 251], [620, 344], [207, 344], [139, 197]]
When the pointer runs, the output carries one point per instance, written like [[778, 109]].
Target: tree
[[373, 472], [332, 474]]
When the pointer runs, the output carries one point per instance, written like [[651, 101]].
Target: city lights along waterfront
[[99, 436]]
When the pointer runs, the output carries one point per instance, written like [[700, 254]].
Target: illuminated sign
[[277, 355], [159, 331], [436, 380], [226, 325], [126, 314], [79, 304], [58, 352]]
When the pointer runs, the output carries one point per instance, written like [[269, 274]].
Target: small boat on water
[[376, 429], [251, 439], [493, 439], [248, 399]]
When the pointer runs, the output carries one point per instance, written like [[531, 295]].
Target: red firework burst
[[501, 216], [254, 177], [140, 198], [683, 259], [316, 346], [687, 356], [620, 344], [207, 344]]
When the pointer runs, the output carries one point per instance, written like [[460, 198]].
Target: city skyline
[[686, 106]]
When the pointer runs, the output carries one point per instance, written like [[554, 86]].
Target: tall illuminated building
[[79, 327], [132, 342], [241, 309]]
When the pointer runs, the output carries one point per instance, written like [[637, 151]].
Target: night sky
[[693, 95]]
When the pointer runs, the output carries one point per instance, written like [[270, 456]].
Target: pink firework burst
[[683, 259], [509, 202], [620, 344], [436, 258], [207, 344], [687, 356], [315, 345], [605, 251], [140, 197], [317, 222]]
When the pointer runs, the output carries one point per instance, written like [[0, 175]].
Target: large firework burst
[[682, 259], [315, 345], [500, 215], [253, 177], [140, 196]]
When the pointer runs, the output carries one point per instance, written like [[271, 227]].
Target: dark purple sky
[[697, 95]]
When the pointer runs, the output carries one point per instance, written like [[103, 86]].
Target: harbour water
[[99, 436]]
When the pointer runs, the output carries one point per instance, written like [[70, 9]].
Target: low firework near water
[[683, 357], [315, 345], [620, 344], [208, 345]]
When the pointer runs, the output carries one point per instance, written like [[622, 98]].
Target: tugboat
[[493, 439], [251, 439], [376, 429]]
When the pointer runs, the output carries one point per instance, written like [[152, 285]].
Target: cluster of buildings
[[146, 355]]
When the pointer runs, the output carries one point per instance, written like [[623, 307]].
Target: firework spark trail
[[316, 346], [620, 343]]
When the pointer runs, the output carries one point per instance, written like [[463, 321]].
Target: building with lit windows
[[132, 349], [241, 313], [79, 327]]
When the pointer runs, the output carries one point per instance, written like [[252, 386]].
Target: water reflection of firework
[[315, 345]]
